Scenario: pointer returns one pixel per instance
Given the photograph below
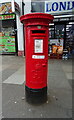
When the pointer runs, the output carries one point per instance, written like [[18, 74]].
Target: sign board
[[62, 6], [7, 40], [7, 17], [15, 7], [7, 44], [5, 8], [9, 7]]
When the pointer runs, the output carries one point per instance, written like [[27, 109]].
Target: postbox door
[[36, 59], [39, 62]]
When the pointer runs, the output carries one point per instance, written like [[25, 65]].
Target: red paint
[[36, 69], [20, 53], [2, 45]]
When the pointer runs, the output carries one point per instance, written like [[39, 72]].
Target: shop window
[[7, 37], [51, 34], [59, 31], [70, 36], [51, 31]]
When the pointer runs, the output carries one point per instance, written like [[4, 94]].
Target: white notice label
[[38, 46], [38, 56]]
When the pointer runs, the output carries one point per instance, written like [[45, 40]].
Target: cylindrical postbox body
[[36, 27]]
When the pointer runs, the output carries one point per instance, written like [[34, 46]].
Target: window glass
[[70, 36], [51, 31], [59, 31], [51, 34]]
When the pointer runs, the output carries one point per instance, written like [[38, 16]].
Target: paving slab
[[14, 104], [17, 78]]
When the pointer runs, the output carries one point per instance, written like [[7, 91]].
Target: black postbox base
[[36, 96]]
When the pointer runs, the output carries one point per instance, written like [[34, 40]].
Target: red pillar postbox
[[36, 28]]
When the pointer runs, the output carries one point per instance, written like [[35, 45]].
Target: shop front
[[8, 35], [61, 31], [61, 37]]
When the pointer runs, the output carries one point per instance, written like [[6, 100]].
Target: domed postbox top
[[36, 19]]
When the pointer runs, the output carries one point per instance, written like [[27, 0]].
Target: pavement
[[12, 90]]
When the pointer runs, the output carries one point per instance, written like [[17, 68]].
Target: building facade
[[12, 31], [62, 28]]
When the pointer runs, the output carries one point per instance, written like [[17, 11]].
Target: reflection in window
[[59, 31], [70, 36], [51, 31], [51, 34]]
